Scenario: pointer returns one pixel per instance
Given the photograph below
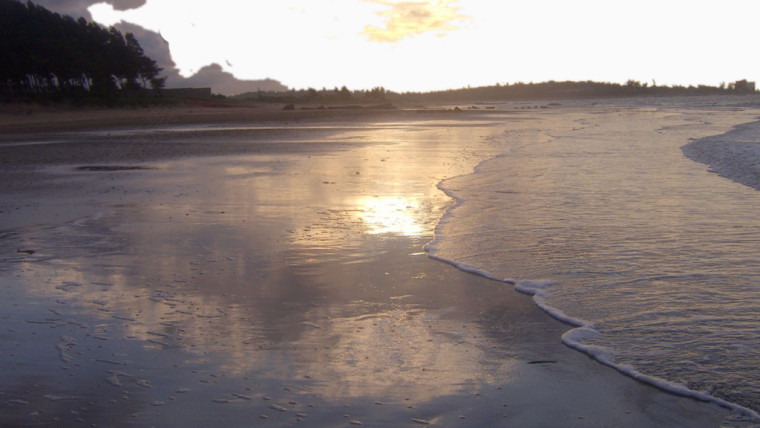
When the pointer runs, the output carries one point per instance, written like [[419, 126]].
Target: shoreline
[[579, 328], [427, 341], [576, 327]]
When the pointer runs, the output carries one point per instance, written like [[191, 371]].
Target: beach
[[238, 267]]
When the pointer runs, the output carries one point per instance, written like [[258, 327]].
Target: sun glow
[[394, 214], [406, 19]]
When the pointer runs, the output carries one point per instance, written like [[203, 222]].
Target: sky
[[411, 45]]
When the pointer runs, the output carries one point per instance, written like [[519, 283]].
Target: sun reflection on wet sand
[[397, 215], [280, 266]]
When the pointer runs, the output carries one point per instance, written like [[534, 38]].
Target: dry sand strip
[[32, 136], [24, 119]]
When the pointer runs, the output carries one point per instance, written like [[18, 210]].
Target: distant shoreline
[[23, 118]]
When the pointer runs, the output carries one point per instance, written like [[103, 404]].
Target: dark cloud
[[77, 8], [155, 47], [222, 82], [126, 4], [213, 76]]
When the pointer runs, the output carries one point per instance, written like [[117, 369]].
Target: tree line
[[568, 90], [499, 92], [49, 56]]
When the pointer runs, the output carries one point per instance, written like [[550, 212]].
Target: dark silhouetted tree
[[46, 55], [377, 93], [345, 94]]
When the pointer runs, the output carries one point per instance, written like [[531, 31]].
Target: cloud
[[213, 76], [222, 82], [411, 18], [154, 46], [78, 8], [397, 43]]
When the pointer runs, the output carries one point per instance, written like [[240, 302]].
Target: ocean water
[[621, 229]]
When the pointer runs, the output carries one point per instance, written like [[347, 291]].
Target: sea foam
[[575, 338], [734, 155], [739, 159]]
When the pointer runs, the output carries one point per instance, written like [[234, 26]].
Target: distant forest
[[44, 55], [517, 91], [564, 90]]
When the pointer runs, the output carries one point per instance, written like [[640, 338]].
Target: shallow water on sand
[[278, 285], [658, 259]]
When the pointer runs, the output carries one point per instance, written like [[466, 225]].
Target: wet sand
[[234, 269]]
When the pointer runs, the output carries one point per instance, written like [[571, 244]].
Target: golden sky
[[407, 19], [442, 44]]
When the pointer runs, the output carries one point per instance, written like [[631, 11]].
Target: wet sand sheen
[[281, 288]]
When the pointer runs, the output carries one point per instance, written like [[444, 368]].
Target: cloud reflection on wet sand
[[275, 266]]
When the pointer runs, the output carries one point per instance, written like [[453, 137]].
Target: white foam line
[[585, 330], [571, 339], [539, 289]]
